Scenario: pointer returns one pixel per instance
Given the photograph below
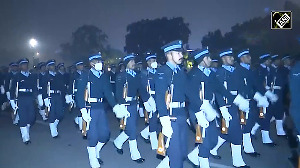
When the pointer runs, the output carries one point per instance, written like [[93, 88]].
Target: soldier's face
[[80, 67], [277, 62], [14, 68], [24, 67], [150, 61], [268, 62], [131, 64], [51, 67], [246, 59], [43, 68], [175, 57], [228, 60], [207, 61], [287, 62]]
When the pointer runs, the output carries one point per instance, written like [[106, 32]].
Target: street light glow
[[33, 43]]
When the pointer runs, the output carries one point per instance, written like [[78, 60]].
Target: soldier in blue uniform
[[294, 82], [230, 77], [214, 65], [147, 80], [23, 91], [112, 77], [265, 79], [13, 70], [98, 87], [254, 92], [40, 83], [65, 76], [172, 80], [279, 83], [52, 90], [204, 84], [72, 90], [130, 81]]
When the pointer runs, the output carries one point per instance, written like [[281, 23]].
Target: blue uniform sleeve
[[108, 91], [119, 88], [161, 87], [81, 85], [142, 89]]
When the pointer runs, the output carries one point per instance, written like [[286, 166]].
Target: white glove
[[13, 105], [69, 99], [121, 111], [47, 102], [2, 89], [226, 115], [150, 105], [166, 126], [242, 103], [40, 100], [8, 95], [209, 111], [273, 97], [298, 138], [85, 115], [262, 101], [201, 119]]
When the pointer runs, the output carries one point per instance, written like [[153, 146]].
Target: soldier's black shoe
[[283, 136], [100, 161], [145, 140], [84, 137], [253, 136], [254, 154], [192, 164], [27, 142], [55, 137], [243, 166], [270, 144], [140, 160], [216, 156]]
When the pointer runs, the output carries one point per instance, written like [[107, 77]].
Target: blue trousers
[[131, 123], [252, 118], [99, 128], [153, 123], [235, 134], [56, 109], [210, 140], [177, 150], [26, 110]]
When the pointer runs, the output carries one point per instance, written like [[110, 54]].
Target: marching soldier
[[40, 83], [254, 92], [230, 77], [265, 79], [203, 83], [171, 92], [13, 70], [279, 83], [23, 91], [63, 75], [147, 79], [93, 87], [53, 88], [112, 77], [72, 90], [128, 85]]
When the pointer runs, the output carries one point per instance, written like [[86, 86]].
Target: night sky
[[52, 22]]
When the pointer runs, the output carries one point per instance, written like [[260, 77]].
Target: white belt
[[112, 81], [267, 87], [25, 90], [151, 92], [277, 87], [40, 88], [55, 91], [234, 92], [130, 98], [95, 100], [177, 104], [75, 90]]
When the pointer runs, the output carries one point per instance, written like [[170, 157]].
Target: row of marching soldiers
[[227, 104]]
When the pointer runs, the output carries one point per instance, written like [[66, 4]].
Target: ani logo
[[281, 19]]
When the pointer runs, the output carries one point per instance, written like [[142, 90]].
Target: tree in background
[[150, 35], [257, 35], [87, 40]]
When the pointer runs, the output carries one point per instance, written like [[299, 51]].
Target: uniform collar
[[214, 69], [274, 66], [264, 66], [25, 73], [61, 72], [288, 67], [206, 71], [53, 73], [228, 68], [175, 68], [151, 70], [43, 73], [79, 72], [131, 72], [14, 72], [96, 73], [247, 66]]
